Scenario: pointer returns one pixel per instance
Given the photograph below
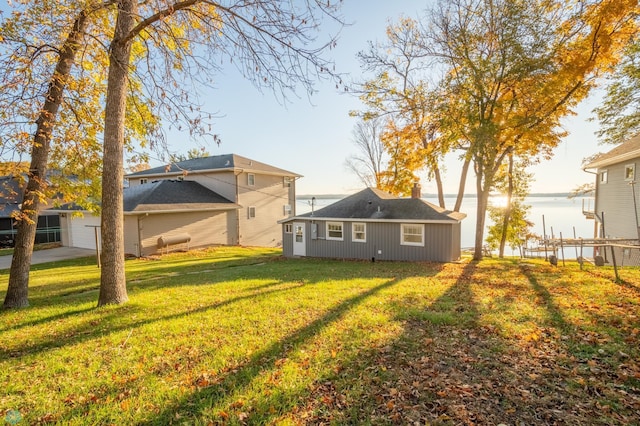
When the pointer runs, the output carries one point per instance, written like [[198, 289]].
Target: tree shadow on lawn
[[115, 319], [627, 279], [610, 320], [125, 318], [465, 372], [235, 377], [84, 290], [190, 408], [163, 275]]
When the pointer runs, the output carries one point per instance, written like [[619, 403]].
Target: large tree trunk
[[438, 177], [481, 212], [461, 185], [507, 212], [17, 293], [113, 286]]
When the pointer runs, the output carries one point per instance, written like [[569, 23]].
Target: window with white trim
[[251, 212], [334, 231], [286, 182], [603, 176], [287, 209], [288, 228], [143, 181], [251, 179], [629, 172], [412, 234], [359, 232]]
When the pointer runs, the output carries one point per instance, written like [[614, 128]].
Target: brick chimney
[[416, 191]]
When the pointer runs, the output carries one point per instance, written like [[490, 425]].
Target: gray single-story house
[[375, 225]]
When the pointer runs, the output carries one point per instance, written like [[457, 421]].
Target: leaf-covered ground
[[242, 336]]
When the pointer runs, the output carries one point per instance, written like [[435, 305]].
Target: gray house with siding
[[375, 225], [217, 200], [617, 197], [181, 212], [264, 193]]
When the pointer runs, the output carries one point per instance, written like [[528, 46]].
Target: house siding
[[79, 231], [383, 242], [131, 235], [615, 199], [224, 183], [287, 241], [205, 229], [268, 196]]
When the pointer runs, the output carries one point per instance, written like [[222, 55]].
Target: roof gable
[[168, 195], [374, 204], [212, 164], [623, 152]]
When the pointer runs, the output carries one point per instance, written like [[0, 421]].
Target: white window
[[629, 172], [288, 228], [359, 233], [251, 212], [604, 176], [143, 181], [287, 209], [251, 179], [412, 234], [334, 231], [286, 181]]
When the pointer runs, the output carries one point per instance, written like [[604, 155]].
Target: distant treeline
[[427, 195]]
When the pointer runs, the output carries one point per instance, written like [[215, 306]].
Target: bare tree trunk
[[113, 286], [438, 177], [17, 292], [481, 212], [461, 185], [507, 212]]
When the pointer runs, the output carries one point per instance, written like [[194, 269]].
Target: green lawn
[[243, 336]]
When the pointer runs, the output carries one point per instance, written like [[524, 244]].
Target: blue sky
[[313, 137]]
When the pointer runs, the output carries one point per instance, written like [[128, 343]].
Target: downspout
[[237, 201], [140, 218], [635, 207]]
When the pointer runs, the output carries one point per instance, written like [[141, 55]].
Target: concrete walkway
[[51, 255]]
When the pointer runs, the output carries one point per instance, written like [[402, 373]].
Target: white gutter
[[145, 212], [226, 169], [613, 160], [368, 220]]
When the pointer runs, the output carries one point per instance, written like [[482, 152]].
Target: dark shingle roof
[[11, 192], [11, 195], [168, 195], [623, 152], [216, 162], [375, 204]]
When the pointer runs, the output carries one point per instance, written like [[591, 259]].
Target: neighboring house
[[11, 193], [617, 197], [224, 199], [375, 225]]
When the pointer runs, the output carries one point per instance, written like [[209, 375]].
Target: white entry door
[[299, 247]]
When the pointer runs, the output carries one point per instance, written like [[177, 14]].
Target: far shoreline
[[430, 195]]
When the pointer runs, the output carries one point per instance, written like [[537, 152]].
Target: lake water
[[561, 216]]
